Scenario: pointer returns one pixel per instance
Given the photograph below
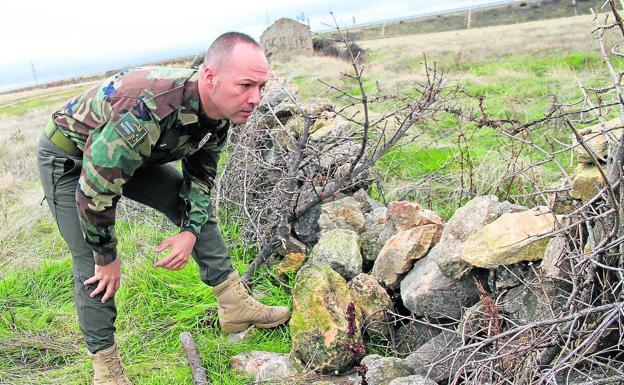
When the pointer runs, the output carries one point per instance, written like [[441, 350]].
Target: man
[[115, 139]]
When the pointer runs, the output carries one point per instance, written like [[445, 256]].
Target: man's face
[[233, 89]]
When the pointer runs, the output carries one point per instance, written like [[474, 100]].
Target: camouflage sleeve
[[199, 171], [112, 153]]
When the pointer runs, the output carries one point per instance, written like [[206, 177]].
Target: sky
[[63, 38]]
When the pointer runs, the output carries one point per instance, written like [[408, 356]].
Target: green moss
[[320, 300]]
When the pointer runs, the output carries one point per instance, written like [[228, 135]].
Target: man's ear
[[208, 76]]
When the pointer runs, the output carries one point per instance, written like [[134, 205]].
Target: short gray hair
[[221, 48]]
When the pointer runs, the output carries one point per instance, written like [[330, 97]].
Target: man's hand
[[181, 247], [108, 278]]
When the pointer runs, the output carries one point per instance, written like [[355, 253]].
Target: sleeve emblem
[[130, 129]]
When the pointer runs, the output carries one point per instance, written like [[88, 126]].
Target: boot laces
[[115, 368], [249, 299]]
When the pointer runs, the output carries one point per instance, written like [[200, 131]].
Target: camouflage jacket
[[134, 118]]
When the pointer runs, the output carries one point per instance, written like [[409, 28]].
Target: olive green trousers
[[156, 186]]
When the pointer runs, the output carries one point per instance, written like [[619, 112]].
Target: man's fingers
[[100, 287], [164, 261], [110, 291], [91, 280], [166, 243], [179, 264], [182, 263], [173, 261]]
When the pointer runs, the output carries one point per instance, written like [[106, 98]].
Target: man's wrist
[[190, 232], [103, 259]]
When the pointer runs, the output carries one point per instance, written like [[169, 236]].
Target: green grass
[[38, 323], [412, 161], [53, 99]]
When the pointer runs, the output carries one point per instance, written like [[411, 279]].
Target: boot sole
[[231, 327]]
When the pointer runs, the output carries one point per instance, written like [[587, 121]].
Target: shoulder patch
[[130, 129]]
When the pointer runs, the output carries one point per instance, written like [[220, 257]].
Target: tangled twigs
[[278, 170]]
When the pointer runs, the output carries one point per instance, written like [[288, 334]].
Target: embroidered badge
[[130, 129], [204, 140]]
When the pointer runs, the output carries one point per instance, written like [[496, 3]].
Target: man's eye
[[246, 85]]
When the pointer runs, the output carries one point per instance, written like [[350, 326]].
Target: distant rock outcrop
[[286, 39]]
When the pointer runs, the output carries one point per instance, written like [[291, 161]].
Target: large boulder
[[286, 39], [373, 301], [466, 221], [274, 94], [340, 249], [427, 291], [341, 214], [587, 182], [397, 256], [368, 360], [439, 358], [512, 238], [386, 369], [281, 113], [405, 215], [334, 156], [319, 326]]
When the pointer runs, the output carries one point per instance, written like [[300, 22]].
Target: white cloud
[[70, 32]]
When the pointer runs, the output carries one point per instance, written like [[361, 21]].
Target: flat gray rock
[[427, 291]]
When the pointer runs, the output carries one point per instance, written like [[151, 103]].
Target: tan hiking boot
[[107, 368], [238, 309]]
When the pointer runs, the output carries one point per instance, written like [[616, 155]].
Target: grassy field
[[513, 13], [519, 69]]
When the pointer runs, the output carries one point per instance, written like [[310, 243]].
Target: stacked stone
[[600, 140], [373, 261]]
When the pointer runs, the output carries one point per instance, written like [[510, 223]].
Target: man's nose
[[254, 96]]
